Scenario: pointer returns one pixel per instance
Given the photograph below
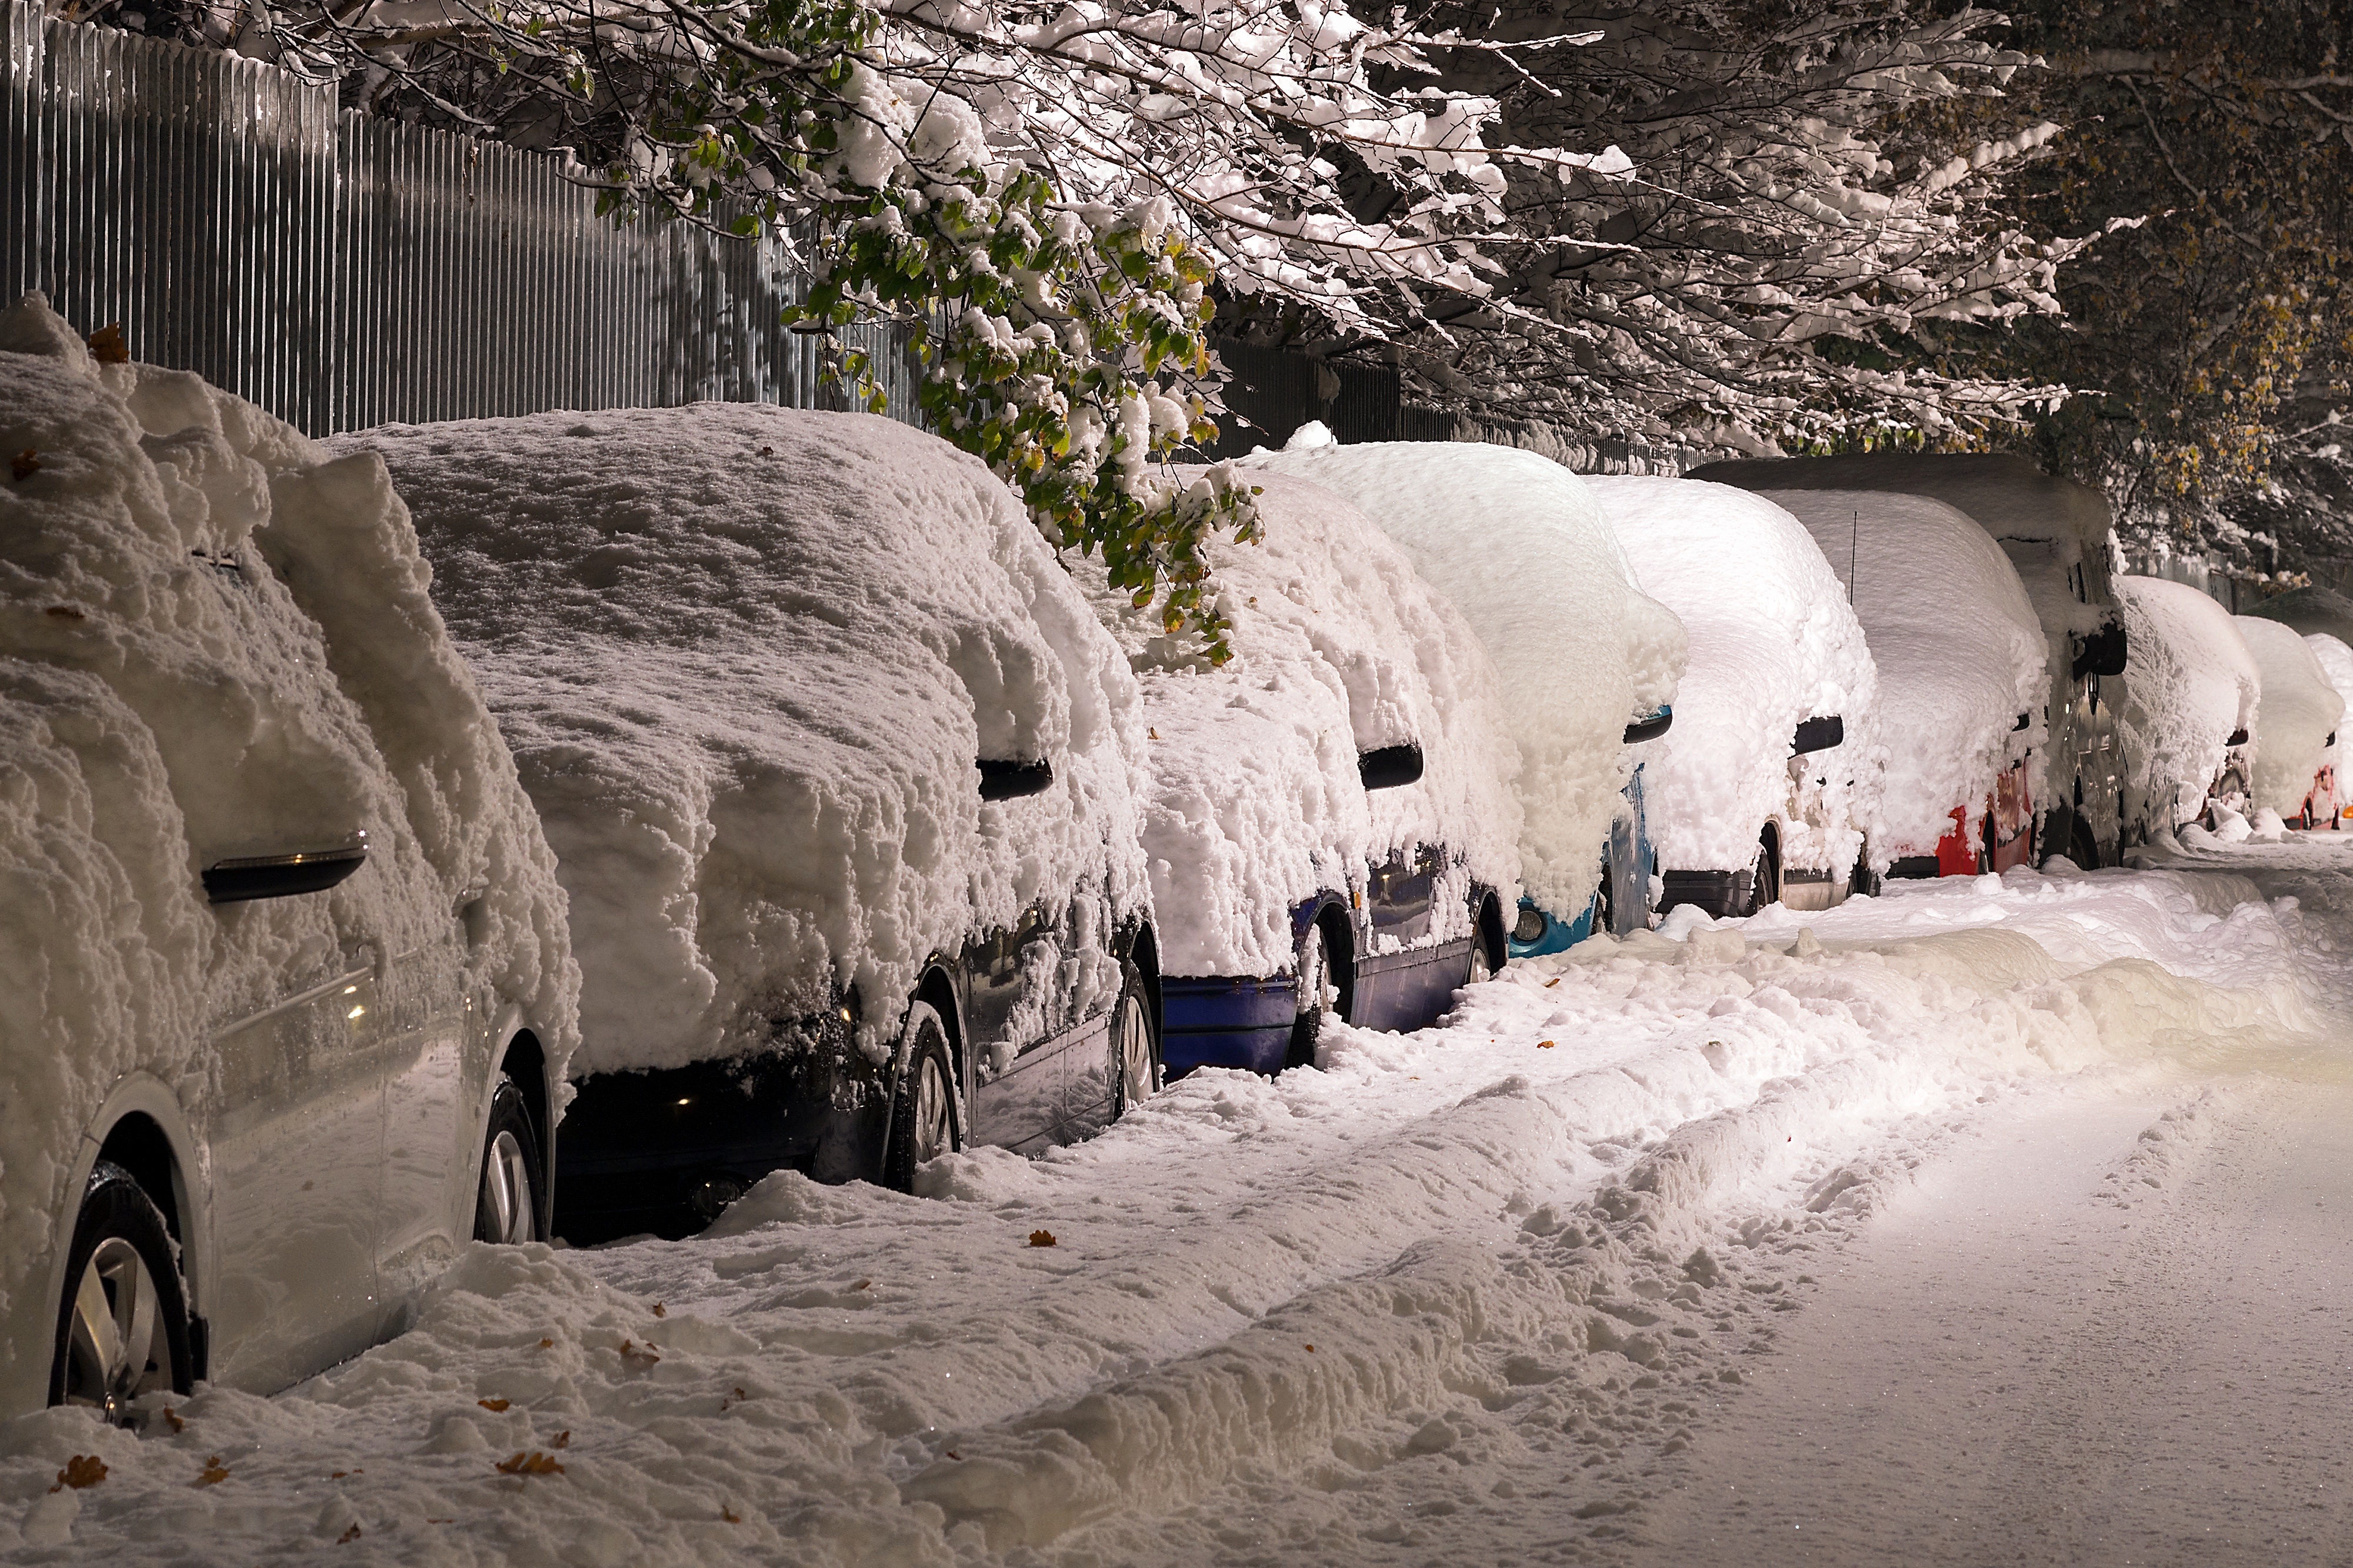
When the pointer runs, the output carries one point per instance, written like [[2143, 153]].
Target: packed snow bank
[[2190, 685], [746, 657], [2296, 717], [1493, 1266], [1773, 642], [1959, 652], [1518, 543], [1256, 803], [217, 643]]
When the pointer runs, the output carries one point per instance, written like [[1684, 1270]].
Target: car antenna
[[1853, 540]]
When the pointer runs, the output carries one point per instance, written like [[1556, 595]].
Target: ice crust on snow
[[2190, 684], [1519, 544], [2297, 711], [746, 657], [1959, 652], [1255, 803], [1773, 642], [217, 641]]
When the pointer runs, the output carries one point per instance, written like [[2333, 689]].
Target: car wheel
[[1137, 1068], [924, 1118], [1605, 902], [506, 1204], [1314, 970], [122, 1328]]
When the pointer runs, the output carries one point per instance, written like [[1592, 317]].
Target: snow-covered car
[[288, 984], [1759, 792], [840, 771], [2310, 610], [2296, 724], [2334, 802], [2190, 693], [1960, 657], [2056, 533], [1330, 820], [1587, 661]]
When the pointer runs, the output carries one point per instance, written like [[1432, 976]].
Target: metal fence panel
[[342, 272]]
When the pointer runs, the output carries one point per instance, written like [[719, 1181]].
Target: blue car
[[1626, 863], [1329, 822]]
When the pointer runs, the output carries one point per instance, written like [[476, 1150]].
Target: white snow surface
[[746, 657], [1461, 1297], [1255, 803], [215, 641], [1520, 545], [1773, 642], [2190, 684], [1959, 652], [2299, 710]]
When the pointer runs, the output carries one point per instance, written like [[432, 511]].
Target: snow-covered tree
[[1786, 229]]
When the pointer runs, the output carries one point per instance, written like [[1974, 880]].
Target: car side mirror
[[1010, 780], [1819, 734], [2238, 738], [1389, 766], [2102, 653], [2024, 721], [281, 875], [1649, 726]]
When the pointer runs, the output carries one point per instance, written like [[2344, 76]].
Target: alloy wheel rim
[[1134, 1051], [117, 1351], [506, 1196], [933, 1137]]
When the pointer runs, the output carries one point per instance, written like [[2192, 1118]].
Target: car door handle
[[281, 875]]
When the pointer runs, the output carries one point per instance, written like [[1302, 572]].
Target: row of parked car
[[752, 790]]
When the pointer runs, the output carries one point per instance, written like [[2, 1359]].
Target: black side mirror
[[2238, 738], [1818, 735], [281, 875], [1389, 766], [2102, 653], [1011, 781], [1649, 726], [2023, 720]]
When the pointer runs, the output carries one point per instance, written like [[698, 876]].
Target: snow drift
[[1773, 642], [1255, 802], [2191, 684], [1959, 652], [2296, 719], [215, 641], [747, 658], [1518, 543]]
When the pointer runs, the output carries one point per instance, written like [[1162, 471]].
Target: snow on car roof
[[2294, 716], [2190, 684], [1959, 652], [2048, 527], [1519, 544], [217, 643], [1773, 641], [1256, 803], [746, 656]]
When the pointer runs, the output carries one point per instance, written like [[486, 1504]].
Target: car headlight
[[1531, 926]]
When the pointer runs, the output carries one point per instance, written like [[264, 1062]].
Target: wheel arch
[[523, 1060], [937, 989], [1487, 926]]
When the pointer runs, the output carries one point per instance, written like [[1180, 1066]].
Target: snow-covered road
[[1853, 1212]]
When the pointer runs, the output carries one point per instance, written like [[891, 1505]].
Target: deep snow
[[1461, 1297]]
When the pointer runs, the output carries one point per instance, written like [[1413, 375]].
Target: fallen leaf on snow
[[660, 1310], [107, 345], [730, 1515], [495, 1407], [562, 1439], [862, 1284], [1041, 1238], [81, 1470], [1553, 982], [532, 1464], [642, 1355], [25, 464], [214, 1472], [1544, 1045], [547, 1344], [347, 1537], [172, 1419]]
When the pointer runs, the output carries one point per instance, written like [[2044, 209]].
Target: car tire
[[122, 1288], [1764, 878], [927, 1115], [1136, 1070], [507, 1205], [1314, 984]]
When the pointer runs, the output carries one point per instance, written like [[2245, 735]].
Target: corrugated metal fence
[[344, 272]]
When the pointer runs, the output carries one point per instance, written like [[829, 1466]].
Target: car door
[[1017, 1091], [433, 1081], [297, 1147]]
